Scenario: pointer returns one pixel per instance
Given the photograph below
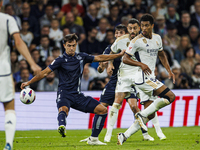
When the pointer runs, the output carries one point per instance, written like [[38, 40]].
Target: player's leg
[[166, 98], [10, 123]]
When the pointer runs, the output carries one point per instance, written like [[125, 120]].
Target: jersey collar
[[66, 55]]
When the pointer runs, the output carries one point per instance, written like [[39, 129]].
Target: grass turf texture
[[182, 138]]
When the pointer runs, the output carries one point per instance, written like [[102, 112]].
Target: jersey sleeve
[[107, 50], [160, 48], [12, 26], [131, 49], [88, 58], [55, 64], [114, 47]]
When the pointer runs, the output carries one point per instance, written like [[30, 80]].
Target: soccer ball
[[27, 96]]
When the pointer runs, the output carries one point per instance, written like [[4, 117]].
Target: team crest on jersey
[[157, 43], [145, 41], [127, 44], [66, 60], [79, 57]]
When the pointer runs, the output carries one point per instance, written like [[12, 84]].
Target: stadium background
[[43, 23]]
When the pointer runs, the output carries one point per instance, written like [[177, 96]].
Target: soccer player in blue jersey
[[70, 68]]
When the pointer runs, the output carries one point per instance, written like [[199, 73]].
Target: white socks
[[112, 117], [156, 124], [155, 106], [10, 124]]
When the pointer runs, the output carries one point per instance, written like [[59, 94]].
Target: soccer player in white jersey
[[124, 83], [9, 28], [148, 46]]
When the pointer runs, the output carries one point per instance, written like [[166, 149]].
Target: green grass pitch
[[181, 138]]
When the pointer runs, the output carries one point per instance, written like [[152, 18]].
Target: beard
[[50, 79]]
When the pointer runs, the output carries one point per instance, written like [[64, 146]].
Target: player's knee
[[134, 108], [104, 110], [172, 97]]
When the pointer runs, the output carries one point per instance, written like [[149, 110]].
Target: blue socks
[[98, 124], [62, 118]]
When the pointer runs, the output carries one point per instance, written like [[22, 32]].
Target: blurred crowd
[[44, 23]]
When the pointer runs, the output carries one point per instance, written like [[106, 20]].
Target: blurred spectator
[[77, 19], [14, 62], [44, 47], [123, 7], [138, 16], [24, 77], [188, 63], [55, 33], [33, 22], [158, 8], [184, 44], [8, 9], [193, 33], [172, 17], [90, 45], [86, 78], [22, 65], [197, 46], [26, 35], [183, 27], [137, 7], [47, 17], [38, 9], [114, 18], [79, 30], [183, 82], [160, 26], [196, 16], [50, 83], [17, 7], [37, 58], [103, 25], [172, 63], [98, 83], [124, 20], [196, 77], [172, 39], [68, 8], [110, 38], [49, 60], [56, 52], [102, 8], [90, 20], [36, 41]]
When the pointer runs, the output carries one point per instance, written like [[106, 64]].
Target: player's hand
[[23, 85], [171, 75], [36, 69], [110, 69], [145, 69], [122, 52]]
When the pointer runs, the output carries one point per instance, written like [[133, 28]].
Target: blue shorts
[[108, 94], [76, 101]]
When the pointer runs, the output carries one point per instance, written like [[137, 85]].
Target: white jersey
[[122, 43], [147, 49], [8, 27]]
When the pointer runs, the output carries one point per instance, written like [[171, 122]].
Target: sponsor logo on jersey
[[145, 41]]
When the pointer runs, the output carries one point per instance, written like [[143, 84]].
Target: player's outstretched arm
[[101, 58], [164, 61], [127, 60], [38, 77], [22, 48]]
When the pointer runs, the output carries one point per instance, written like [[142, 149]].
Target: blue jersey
[[116, 64], [70, 69]]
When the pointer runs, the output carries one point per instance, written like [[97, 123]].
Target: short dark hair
[[7, 5], [45, 26], [55, 48], [185, 53], [197, 64], [109, 30], [121, 27], [147, 17], [35, 50], [44, 36], [133, 21], [70, 38]]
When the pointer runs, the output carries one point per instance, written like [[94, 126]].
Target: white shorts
[[125, 84], [147, 87], [7, 91]]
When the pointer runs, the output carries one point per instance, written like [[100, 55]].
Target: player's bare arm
[[164, 61], [101, 58], [22, 48], [38, 77], [110, 65], [127, 60]]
